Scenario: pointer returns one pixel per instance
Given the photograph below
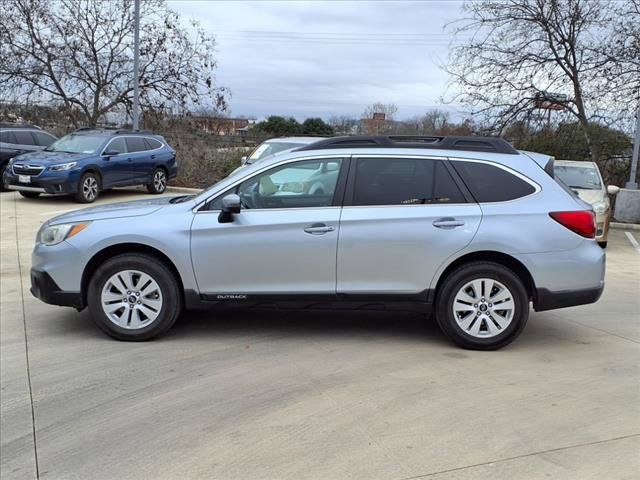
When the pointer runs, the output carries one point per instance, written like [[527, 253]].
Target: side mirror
[[613, 189], [110, 153], [230, 207], [243, 160]]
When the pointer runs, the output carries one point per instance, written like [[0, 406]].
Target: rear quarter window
[[152, 143], [489, 183]]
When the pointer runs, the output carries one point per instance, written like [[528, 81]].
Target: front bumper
[[46, 289], [64, 183]]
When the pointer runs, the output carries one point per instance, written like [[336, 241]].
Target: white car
[[585, 180], [277, 145]]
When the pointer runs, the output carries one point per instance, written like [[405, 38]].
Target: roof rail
[[451, 142], [84, 129], [18, 125], [146, 132]]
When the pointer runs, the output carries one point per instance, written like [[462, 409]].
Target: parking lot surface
[[320, 395]]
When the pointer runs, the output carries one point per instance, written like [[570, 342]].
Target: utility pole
[[136, 66], [632, 184]]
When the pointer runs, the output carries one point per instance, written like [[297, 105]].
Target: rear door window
[[136, 144], [490, 183], [404, 181]]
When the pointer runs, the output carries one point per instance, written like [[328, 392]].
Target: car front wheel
[[3, 182], [88, 188], [159, 182], [134, 297], [482, 306]]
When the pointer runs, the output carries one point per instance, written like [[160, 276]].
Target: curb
[[624, 226], [183, 189]]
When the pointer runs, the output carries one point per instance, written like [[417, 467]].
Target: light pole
[[632, 184], [136, 66]]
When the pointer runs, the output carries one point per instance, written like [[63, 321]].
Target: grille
[[20, 169]]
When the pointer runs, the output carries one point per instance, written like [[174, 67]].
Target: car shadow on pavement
[[306, 323], [291, 323], [319, 325]]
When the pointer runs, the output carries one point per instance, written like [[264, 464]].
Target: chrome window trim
[[162, 144], [537, 188]]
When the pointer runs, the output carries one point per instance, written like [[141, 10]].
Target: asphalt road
[[313, 395]]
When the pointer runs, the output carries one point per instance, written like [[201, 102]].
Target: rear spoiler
[[544, 161]]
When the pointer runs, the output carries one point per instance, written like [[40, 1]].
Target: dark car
[[87, 161], [20, 138]]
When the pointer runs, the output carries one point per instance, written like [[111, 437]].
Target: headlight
[[600, 207], [62, 166], [54, 234]]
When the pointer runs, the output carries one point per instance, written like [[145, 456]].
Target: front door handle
[[319, 229], [447, 223]]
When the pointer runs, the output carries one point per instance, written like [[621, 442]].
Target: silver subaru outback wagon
[[467, 229]]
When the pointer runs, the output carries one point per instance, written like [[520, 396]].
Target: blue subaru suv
[[87, 161]]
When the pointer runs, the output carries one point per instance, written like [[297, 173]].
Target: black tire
[[159, 272], [603, 244], [456, 280], [26, 194], [88, 188], [158, 182], [3, 183]]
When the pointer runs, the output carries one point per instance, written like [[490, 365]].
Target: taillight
[[582, 222]]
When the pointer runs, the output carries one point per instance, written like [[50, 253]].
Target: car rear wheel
[[134, 297], [29, 194], [159, 183], [88, 188], [482, 306]]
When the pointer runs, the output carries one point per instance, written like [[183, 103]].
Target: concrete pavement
[[313, 395]]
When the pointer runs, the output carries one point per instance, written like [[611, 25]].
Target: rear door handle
[[319, 229], [447, 223]]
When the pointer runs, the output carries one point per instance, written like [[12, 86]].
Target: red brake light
[[582, 222]]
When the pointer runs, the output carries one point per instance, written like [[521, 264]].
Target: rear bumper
[[46, 289], [549, 300]]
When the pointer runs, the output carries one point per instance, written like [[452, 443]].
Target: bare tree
[[78, 53], [513, 56]]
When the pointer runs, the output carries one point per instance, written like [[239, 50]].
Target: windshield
[[77, 144], [585, 178], [269, 148]]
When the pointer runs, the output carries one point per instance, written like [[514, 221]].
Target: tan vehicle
[[585, 180]]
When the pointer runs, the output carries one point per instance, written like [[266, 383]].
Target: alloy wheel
[[131, 299], [90, 188], [483, 308], [160, 181]]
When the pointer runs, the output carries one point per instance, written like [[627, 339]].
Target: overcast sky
[[324, 58]]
